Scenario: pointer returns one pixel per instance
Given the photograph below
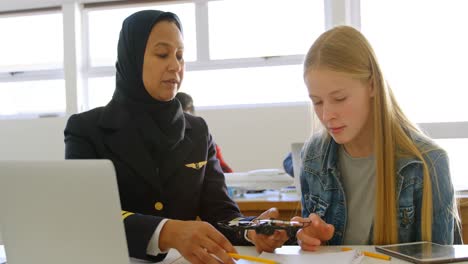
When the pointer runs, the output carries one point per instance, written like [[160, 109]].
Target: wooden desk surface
[[463, 203], [289, 205]]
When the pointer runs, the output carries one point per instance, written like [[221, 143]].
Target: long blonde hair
[[344, 49]]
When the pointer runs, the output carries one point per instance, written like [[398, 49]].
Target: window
[[238, 66], [32, 41], [422, 58], [103, 38], [232, 81], [105, 26], [246, 28], [100, 91], [31, 77], [424, 62], [262, 85], [32, 98], [456, 151]]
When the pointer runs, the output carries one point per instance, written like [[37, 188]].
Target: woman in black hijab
[[165, 160]]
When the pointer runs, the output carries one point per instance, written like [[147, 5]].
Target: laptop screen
[[64, 211]]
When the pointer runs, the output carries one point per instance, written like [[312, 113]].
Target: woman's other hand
[[265, 242], [197, 241]]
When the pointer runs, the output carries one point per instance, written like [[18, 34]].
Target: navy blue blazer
[[189, 182]]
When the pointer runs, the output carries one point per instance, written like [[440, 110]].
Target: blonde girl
[[371, 177]]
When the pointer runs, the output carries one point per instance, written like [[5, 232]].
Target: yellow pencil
[[252, 258], [370, 254]]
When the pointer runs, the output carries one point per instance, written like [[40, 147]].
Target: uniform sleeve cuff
[[153, 245]]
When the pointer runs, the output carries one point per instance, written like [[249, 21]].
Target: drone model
[[264, 226]]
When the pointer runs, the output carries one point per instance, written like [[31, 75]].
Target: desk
[[175, 258], [296, 250], [288, 204], [463, 203]]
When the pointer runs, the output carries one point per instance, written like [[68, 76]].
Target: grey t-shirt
[[358, 178]]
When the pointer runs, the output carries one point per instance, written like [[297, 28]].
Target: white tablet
[[426, 252]]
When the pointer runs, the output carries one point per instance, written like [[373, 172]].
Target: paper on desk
[[351, 257]]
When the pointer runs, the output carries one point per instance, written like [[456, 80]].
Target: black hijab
[[161, 124]]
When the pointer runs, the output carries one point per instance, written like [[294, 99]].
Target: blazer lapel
[[178, 156], [125, 142]]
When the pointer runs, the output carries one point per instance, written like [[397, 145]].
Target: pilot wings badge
[[196, 165]]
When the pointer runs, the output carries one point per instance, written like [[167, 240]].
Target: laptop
[[59, 212]]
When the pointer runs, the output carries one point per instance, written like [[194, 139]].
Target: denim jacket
[[323, 194]]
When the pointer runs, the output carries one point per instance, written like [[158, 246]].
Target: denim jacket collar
[[328, 157]]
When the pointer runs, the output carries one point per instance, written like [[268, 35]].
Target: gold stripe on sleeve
[[126, 214]]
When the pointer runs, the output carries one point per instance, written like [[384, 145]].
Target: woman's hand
[[196, 241], [313, 234], [264, 242]]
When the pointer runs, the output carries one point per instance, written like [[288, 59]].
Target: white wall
[[260, 137], [32, 139], [250, 138]]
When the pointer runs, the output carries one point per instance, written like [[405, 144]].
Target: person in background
[[165, 162], [187, 106], [371, 176], [187, 102]]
